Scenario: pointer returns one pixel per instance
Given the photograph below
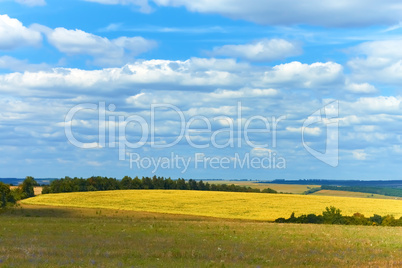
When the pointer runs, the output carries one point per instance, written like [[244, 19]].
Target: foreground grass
[[249, 206], [54, 236]]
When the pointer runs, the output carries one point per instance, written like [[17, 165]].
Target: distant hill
[[377, 183], [17, 181]]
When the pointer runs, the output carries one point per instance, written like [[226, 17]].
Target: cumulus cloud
[[341, 13], [14, 34], [13, 64], [362, 88], [31, 2], [379, 61], [259, 51], [359, 155], [198, 87], [305, 75], [379, 104], [142, 4], [381, 49], [192, 74], [104, 51], [315, 131], [261, 152]]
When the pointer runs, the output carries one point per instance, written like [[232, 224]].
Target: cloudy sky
[[258, 89]]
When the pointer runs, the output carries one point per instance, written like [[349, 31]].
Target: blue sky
[[320, 81]]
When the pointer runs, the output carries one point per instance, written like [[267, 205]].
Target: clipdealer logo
[[234, 132]]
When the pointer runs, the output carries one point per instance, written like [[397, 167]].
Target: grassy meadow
[[247, 206], [46, 236]]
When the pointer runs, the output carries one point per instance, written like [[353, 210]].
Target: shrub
[[389, 220], [332, 215], [269, 191], [377, 219]]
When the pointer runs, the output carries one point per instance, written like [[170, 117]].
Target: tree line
[[363, 189], [99, 183], [332, 215], [8, 197]]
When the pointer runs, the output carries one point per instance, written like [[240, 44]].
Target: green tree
[[126, 183], [181, 184], [6, 196], [377, 219], [136, 183], [46, 189], [27, 187], [332, 215], [269, 191], [389, 220], [201, 185]]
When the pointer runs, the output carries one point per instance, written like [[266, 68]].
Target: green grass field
[[44, 236]]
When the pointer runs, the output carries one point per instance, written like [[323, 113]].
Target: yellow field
[[354, 194], [253, 206], [285, 188]]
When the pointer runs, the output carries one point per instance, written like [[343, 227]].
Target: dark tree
[[27, 187], [332, 215], [5, 194]]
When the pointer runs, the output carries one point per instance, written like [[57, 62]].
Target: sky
[[223, 89]]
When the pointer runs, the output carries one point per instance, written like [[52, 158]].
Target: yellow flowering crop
[[252, 206]]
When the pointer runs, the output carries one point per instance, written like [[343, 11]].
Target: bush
[[376, 219], [389, 220], [332, 215], [312, 218], [269, 191]]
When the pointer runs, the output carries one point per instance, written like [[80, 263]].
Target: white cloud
[[208, 87], [359, 155], [363, 88], [259, 51], [366, 128], [142, 4], [305, 75], [341, 13], [381, 49], [104, 51], [193, 74], [380, 104], [315, 131], [31, 2], [13, 64], [244, 93], [261, 152], [379, 61], [14, 34], [94, 163]]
